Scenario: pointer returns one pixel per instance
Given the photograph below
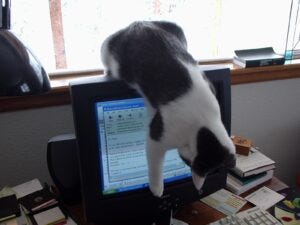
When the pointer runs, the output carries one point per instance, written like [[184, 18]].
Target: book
[[255, 163], [9, 207], [49, 217], [38, 200], [257, 57], [238, 189], [245, 180]]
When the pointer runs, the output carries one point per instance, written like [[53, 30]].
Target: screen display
[[122, 129]]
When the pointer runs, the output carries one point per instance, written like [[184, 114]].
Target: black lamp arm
[[5, 7]]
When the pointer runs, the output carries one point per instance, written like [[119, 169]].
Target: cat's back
[[197, 108], [150, 55]]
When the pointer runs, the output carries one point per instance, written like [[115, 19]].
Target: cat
[[152, 57]]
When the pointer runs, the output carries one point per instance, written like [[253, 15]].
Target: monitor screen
[[122, 129]]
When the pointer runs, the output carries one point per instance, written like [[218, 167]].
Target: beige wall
[[268, 113]]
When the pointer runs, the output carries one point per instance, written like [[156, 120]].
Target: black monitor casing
[[133, 207]]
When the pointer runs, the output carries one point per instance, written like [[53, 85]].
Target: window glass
[[30, 21], [214, 28]]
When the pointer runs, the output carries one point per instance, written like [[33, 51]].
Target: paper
[[9, 222], [49, 216], [6, 191], [23, 219], [7, 218], [285, 217], [291, 202], [225, 202], [177, 222], [174, 221], [70, 221], [27, 188], [264, 198]]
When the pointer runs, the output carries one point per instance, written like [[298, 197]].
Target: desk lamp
[[20, 71]]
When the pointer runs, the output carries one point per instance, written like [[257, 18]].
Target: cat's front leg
[[155, 158]]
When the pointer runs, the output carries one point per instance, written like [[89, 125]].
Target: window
[[67, 34]]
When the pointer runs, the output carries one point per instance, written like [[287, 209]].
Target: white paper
[[10, 222], [264, 198], [6, 191], [23, 219], [177, 222], [70, 221], [224, 201], [174, 221], [49, 216], [27, 188]]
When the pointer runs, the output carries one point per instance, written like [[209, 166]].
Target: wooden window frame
[[59, 95], [58, 34]]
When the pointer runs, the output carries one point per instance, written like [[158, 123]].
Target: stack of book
[[31, 204], [250, 171], [38, 201], [257, 57], [9, 207]]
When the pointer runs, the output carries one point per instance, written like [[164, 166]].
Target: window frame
[[60, 95]]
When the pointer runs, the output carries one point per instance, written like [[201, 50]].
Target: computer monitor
[[111, 124]]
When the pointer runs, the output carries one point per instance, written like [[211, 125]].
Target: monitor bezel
[[221, 80], [84, 93]]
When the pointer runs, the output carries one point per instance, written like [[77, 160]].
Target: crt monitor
[[111, 125]]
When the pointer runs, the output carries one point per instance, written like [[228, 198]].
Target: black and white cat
[[184, 113]]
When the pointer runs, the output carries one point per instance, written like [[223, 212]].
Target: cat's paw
[[157, 189]]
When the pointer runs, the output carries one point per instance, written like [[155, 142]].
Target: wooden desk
[[196, 213]]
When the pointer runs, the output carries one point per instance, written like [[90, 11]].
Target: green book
[[246, 180]]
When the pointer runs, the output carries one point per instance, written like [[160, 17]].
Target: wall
[[23, 142], [268, 113]]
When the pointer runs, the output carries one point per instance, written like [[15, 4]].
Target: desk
[[196, 213]]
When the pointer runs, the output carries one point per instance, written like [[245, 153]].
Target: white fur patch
[[184, 117], [198, 181], [109, 61]]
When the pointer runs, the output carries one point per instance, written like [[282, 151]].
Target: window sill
[[60, 95]]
